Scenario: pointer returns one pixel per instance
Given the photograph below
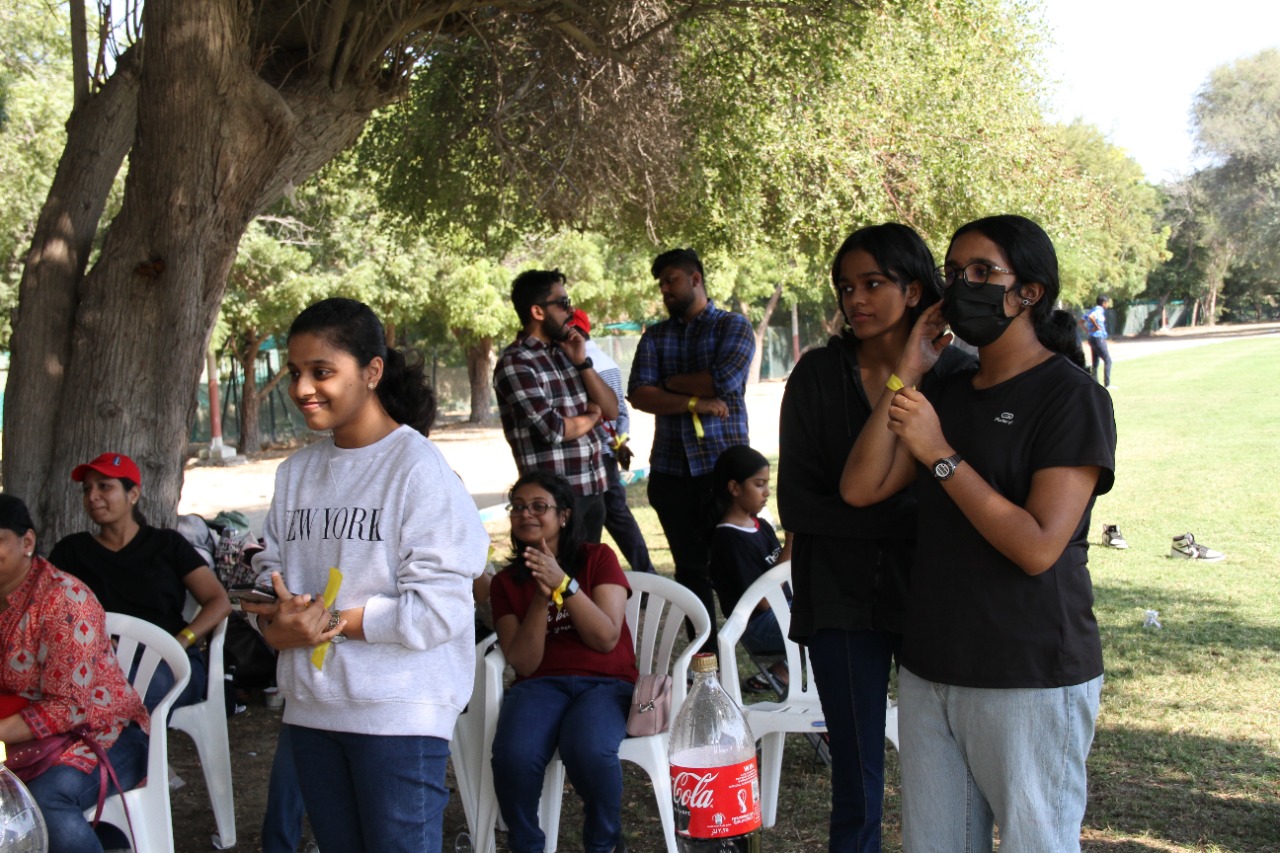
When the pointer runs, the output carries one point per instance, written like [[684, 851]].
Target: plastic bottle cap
[[705, 662]]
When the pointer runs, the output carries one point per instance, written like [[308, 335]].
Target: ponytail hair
[[1060, 336], [352, 327], [736, 464], [1031, 253], [128, 486]]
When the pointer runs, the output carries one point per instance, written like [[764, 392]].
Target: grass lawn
[[1187, 753]]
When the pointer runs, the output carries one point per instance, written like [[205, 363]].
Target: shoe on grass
[[1186, 547], [1112, 537]]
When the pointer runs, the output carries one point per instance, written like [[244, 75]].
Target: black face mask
[[975, 313]]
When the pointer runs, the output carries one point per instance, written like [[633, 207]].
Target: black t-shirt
[[142, 579], [739, 557], [974, 618]]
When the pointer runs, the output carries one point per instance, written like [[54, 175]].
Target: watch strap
[[944, 468]]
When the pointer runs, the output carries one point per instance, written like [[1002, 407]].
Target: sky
[[1132, 67]]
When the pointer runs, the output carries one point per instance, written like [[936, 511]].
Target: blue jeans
[[382, 793], [851, 671], [282, 822], [586, 719], [620, 523], [63, 793], [1101, 353], [1014, 757], [762, 635], [195, 691]]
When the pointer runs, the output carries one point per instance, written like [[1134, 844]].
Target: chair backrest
[[656, 612], [773, 587], [148, 644]]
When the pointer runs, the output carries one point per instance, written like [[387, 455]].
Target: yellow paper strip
[[319, 653]]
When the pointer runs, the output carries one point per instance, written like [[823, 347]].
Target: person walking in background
[[850, 565], [613, 435], [1001, 670], [1095, 326], [377, 669], [691, 372], [551, 397]]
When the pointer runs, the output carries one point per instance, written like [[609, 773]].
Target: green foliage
[[35, 100], [1120, 234], [1225, 219]]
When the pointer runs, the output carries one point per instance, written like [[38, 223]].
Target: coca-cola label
[[716, 802]]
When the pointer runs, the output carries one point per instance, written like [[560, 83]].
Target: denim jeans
[[282, 822], [975, 756], [589, 510], [1101, 353], [763, 636], [620, 523], [375, 793], [851, 671], [63, 793], [195, 691], [680, 505], [586, 719]]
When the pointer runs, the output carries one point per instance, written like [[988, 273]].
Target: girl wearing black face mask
[[1002, 660]]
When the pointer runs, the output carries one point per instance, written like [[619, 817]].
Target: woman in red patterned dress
[[56, 661]]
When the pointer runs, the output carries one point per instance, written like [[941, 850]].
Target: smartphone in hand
[[251, 592]]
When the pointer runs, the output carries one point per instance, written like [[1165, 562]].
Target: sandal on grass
[[757, 684]]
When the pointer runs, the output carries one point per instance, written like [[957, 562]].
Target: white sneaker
[[1112, 537], [1186, 547]]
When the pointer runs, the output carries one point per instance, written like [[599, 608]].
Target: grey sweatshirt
[[398, 523]]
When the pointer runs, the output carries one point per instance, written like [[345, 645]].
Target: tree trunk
[[480, 377], [250, 440], [757, 358], [112, 357]]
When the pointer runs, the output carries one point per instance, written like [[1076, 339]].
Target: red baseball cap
[[115, 465], [579, 319]]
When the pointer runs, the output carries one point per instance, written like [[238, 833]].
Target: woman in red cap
[[140, 570]]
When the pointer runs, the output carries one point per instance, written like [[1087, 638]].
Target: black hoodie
[[849, 565]]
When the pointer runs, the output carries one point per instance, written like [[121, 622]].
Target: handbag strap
[[108, 772]]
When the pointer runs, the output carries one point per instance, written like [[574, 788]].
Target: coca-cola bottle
[[715, 783]]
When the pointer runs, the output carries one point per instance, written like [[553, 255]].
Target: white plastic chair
[[149, 823], [206, 723], [467, 749], [801, 710], [655, 613]]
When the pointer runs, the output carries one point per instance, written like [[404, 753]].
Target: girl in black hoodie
[[849, 565]]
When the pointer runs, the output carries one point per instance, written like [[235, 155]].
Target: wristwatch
[[571, 589], [335, 616], [587, 364], [944, 468]]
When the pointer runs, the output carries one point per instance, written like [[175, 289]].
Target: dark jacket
[[849, 565]]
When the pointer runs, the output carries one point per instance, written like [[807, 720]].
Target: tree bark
[[480, 377], [111, 357], [757, 358]]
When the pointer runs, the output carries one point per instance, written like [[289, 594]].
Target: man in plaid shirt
[[550, 396], [691, 372]]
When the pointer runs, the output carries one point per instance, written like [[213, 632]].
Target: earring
[[1026, 302], [29, 553], [372, 386]]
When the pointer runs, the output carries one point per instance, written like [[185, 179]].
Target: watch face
[[942, 469]]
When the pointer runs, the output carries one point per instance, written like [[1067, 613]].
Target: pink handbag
[[650, 706]]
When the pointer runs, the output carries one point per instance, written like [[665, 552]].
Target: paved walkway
[[483, 459]]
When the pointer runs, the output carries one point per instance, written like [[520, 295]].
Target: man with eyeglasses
[[691, 372], [550, 396]]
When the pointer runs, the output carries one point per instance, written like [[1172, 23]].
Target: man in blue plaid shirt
[[691, 372], [550, 396]]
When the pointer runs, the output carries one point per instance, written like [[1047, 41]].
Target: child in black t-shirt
[[745, 546]]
